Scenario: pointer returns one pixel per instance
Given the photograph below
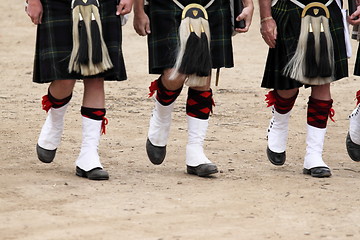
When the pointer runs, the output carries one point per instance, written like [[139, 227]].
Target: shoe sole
[[82, 173], [320, 175], [204, 174]]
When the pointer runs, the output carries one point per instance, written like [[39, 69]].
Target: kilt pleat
[[288, 20], [165, 18], [54, 42]]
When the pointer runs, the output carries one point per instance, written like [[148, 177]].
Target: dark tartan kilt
[[288, 20], [54, 42], [357, 63], [165, 17]]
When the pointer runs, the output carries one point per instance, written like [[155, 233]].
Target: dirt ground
[[249, 199]]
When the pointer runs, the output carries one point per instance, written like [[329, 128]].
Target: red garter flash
[[270, 98], [358, 97], [153, 87], [103, 125], [332, 114], [46, 104]]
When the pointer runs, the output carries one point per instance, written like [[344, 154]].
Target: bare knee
[[62, 88], [287, 93], [321, 92], [172, 84], [94, 83], [179, 81]]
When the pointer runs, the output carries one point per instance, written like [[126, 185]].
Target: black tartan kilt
[[54, 42], [288, 20], [165, 17]]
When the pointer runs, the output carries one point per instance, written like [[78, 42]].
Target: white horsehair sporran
[[313, 61], [193, 57], [89, 55]]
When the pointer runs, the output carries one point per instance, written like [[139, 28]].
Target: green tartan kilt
[[288, 20], [54, 42], [165, 18]]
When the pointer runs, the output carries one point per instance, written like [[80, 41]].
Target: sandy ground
[[249, 199]]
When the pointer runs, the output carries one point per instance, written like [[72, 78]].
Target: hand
[[268, 32], [124, 7], [245, 15], [354, 18], [141, 23], [34, 10]]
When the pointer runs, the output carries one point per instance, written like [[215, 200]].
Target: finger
[[147, 28], [275, 34], [240, 17], [354, 16], [143, 32], [119, 8], [40, 18], [34, 20], [139, 30], [269, 41], [271, 44], [242, 30], [350, 20], [37, 20], [125, 11]]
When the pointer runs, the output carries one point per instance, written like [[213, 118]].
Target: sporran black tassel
[[311, 67], [83, 53], [191, 55], [205, 58], [96, 43], [324, 63]]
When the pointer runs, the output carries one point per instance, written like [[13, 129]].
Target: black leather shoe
[[44, 155], [93, 174], [318, 172], [156, 154], [276, 158], [203, 170], [353, 149]]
